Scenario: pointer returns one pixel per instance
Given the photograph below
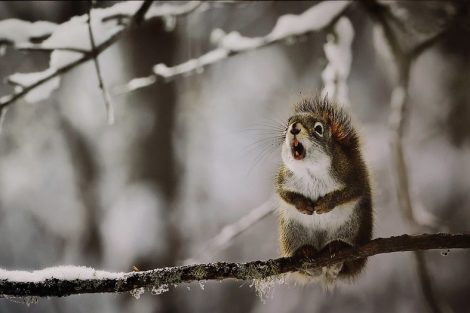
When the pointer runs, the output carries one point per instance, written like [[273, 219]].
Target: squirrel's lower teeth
[[297, 150]]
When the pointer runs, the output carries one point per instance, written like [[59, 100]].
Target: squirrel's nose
[[294, 130]]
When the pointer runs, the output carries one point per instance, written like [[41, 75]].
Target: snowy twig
[[231, 231], [146, 11], [398, 107], [64, 281], [339, 55], [288, 27], [106, 97]]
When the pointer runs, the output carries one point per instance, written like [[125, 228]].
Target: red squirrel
[[323, 184]]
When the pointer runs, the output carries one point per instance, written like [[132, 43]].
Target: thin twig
[[231, 231], [49, 50], [140, 14], [106, 97], [102, 282]]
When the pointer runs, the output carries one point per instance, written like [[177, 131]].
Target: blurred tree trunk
[[155, 161]]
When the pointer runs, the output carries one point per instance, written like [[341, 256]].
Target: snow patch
[[166, 10], [137, 292], [160, 289], [315, 18], [65, 272], [192, 65], [23, 300], [338, 53], [20, 32], [30, 79]]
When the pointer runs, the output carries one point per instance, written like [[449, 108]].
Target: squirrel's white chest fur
[[314, 180]]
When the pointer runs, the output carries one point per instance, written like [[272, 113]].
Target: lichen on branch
[[65, 281]]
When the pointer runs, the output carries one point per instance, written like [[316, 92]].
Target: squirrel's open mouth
[[298, 150]]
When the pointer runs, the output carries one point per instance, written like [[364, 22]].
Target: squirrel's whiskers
[[267, 138]]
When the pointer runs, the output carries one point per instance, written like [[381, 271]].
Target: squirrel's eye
[[318, 127]]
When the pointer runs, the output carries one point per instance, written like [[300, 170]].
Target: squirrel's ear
[[338, 132]]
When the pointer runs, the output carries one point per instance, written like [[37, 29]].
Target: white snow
[[71, 34], [74, 33], [315, 18], [137, 292], [165, 9], [58, 60], [233, 41], [191, 65], [160, 289], [19, 32], [66, 272], [339, 55], [29, 79]]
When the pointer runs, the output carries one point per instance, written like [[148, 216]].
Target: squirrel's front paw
[[322, 206], [305, 207]]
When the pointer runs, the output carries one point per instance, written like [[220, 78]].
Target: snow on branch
[[71, 45], [287, 27], [17, 32], [68, 280], [339, 55]]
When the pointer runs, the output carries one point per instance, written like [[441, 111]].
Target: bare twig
[[104, 91], [231, 231], [398, 107], [120, 282], [140, 14], [32, 47]]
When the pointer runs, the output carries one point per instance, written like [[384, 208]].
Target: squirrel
[[324, 190]]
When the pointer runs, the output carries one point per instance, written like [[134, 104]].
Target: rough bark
[[222, 270]]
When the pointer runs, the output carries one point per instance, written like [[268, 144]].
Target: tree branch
[[76, 280], [173, 10], [106, 97], [398, 108], [319, 17]]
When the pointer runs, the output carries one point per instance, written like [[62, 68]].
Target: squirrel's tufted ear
[[338, 132], [337, 118]]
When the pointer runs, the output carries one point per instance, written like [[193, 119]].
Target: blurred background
[[184, 158]]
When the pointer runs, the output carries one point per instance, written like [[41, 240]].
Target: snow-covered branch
[[68, 280], [338, 51], [71, 45], [288, 27]]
